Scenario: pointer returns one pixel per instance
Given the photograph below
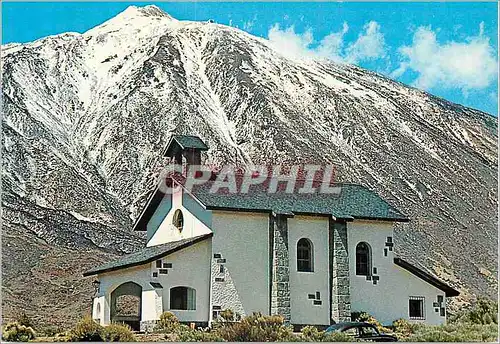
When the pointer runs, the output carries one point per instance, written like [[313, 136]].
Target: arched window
[[305, 255], [183, 298], [363, 259], [178, 220]]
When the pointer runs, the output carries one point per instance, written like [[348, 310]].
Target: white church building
[[313, 259]]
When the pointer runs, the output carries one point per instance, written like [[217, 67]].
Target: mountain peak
[[145, 11]]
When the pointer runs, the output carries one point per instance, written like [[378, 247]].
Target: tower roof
[[184, 142]]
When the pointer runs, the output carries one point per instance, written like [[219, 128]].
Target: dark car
[[361, 330]]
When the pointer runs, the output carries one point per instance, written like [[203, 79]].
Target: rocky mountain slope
[[87, 115]]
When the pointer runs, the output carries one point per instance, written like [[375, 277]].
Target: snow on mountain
[[87, 115]]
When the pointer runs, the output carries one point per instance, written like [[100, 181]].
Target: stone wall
[[280, 270], [339, 258]]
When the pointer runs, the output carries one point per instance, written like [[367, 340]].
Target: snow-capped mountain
[[87, 115]]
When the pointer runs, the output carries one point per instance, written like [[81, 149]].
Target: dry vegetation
[[478, 323]]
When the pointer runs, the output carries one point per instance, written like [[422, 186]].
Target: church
[[312, 259]]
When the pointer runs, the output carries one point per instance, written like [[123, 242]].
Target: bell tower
[[185, 150]]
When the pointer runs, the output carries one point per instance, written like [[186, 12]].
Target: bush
[[256, 328], [15, 332], [24, 320], [366, 317], [50, 330], [186, 334], [337, 337], [483, 312], [312, 334], [168, 323], [118, 333], [403, 328], [227, 315], [454, 333], [87, 330]]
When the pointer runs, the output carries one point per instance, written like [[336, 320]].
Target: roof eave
[[151, 205], [449, 291], [241, 210], [148, 260], [383, 218]]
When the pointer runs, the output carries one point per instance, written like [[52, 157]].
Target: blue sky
[[448, 48]]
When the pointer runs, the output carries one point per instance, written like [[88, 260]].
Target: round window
[[178, 220]]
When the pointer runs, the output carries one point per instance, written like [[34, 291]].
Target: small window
[[182, 298], [416, 308], [304, 255], [368, 331], [352, 332], [363, 259], [178, 220]]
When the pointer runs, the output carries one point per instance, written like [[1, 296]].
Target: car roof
[[350, 324]]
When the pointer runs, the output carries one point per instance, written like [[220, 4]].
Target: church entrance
[[126, 305]]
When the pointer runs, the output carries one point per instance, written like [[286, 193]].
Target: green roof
[[186, 141], [353, 202], [147, 255]]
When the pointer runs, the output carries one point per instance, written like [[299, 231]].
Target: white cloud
[[369, 45], [247, 26], [331, 45], [493, 97], [290, 43], [467, 65]]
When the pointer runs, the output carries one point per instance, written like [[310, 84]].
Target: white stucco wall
[[190, 268], [111, 280], [167, 232], [303, 311], [98, 305], [242, 239], [388, 299]]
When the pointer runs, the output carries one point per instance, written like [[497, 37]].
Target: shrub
[[87, 330], [24, 320], [227, 315], [256, 328], [337, 337], [186, 334], [403, 328], [366, 317], [118, 333], [455, 333], [168, 323], [483, 312], [15, 332], [312, 334], [51, 330]]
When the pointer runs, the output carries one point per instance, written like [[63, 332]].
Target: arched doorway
[[126, 304]]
